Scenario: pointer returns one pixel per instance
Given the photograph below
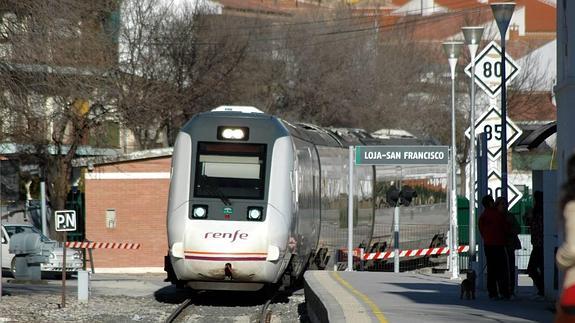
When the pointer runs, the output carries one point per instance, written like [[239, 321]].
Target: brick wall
[[140, 205]]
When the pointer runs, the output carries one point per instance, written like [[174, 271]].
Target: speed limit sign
[[488, 69], [490, 124], [494, 189]]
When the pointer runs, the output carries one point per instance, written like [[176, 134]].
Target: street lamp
[[452, 50], [502, 11], [472, 37]]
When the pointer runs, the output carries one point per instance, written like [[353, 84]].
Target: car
[[74, 259]]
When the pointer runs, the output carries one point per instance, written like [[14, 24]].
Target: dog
[[468, 285]]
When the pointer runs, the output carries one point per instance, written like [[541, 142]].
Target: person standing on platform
[[512, 242], [494, 230], [535, 221], [565, 256]]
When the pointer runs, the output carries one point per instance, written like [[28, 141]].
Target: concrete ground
[[414, 297]]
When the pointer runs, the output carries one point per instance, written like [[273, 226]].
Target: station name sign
[[401, 155]]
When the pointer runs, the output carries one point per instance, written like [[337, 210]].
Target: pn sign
[[65, 220]]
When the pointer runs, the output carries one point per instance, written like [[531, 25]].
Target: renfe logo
[[226, 235]]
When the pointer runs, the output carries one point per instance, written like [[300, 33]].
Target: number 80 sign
[[490, 124], [488, 69]]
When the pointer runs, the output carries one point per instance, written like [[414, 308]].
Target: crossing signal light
[[392, 196], [406, 195], [395, 197]]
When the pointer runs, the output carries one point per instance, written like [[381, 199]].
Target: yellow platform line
[[374, 309]]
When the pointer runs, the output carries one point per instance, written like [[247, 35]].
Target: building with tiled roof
[[271, 8]]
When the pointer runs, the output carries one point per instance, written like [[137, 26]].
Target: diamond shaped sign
[[494, 189], [490, 123], [488, 69]]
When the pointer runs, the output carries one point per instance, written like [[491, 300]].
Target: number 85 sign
[[490, 124]]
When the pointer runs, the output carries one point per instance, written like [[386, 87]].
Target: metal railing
[[420, 237]]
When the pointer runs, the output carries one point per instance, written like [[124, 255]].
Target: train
[[255, 200]]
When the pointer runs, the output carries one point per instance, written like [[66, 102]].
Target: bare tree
[[175, 61], [145, 97], [54, 81]]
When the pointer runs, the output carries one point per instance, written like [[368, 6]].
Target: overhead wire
[[360, 21], [456, 5], [357, 32], [415, 21]]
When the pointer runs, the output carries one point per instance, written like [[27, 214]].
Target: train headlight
[[255, 213], [233, 133], [199, 211]]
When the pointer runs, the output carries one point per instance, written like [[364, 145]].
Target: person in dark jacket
[[535, 266], [512, 241], [494, 230]]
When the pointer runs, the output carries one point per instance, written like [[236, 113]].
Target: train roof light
[[237, 108], [233, 133]]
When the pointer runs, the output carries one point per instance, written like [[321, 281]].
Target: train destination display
[[401, 155]]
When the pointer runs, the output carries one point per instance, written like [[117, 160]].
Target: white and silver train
[[255, 200]]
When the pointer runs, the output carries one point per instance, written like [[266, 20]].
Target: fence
[[412, 237], [415, 245]]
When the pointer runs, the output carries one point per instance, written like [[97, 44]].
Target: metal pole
[[472, 141], [64, 271], [503, 12], [503, 121], [1, 240], [453, 248], [350, 213], [43, 208], [396, 239]]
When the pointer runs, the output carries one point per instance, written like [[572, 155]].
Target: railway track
[[178, 311], [270, 306]]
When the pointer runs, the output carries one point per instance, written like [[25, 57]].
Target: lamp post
[[502, 11], [472, 37], [452, 50]]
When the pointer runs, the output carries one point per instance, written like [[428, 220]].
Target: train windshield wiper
[[213, 187]]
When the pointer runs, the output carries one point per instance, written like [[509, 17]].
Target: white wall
[[418, 7]]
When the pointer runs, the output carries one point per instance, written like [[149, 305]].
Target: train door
[[316, 200], [306, 220]]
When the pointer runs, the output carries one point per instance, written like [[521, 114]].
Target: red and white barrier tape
[[413, 253], [102, 245]]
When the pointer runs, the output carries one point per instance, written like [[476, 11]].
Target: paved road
[[133, 285]]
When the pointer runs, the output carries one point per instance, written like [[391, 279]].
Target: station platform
[[351, 296]]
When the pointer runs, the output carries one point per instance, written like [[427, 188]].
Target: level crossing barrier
[[102, 245]]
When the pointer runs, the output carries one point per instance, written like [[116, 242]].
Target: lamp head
[[502, 12], [472, 35], [452, 48]]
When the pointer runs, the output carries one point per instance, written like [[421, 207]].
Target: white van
[[73, 256]]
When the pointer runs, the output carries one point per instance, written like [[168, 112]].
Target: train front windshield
[[230, 170]]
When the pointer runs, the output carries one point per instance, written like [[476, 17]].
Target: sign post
[[397, 155], [65, 221], [493, 70], [350, 213]]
